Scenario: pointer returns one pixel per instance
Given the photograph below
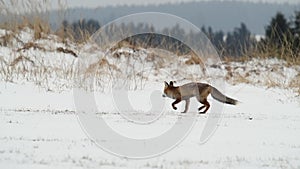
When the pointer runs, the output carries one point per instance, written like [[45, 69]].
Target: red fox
[[198, 90]]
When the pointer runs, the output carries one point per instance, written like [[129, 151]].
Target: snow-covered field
[[40, 127]]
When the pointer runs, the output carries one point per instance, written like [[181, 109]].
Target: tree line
[[281, 36]]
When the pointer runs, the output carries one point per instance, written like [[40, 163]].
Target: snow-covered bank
[[56, 66]]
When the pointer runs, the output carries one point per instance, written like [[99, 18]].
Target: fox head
[[169, 90]]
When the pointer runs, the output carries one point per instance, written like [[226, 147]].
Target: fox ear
[[166, 84], [171, 83]]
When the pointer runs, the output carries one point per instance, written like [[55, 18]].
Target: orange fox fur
[[198, 90]]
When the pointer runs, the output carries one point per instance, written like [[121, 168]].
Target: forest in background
[[281, 38]]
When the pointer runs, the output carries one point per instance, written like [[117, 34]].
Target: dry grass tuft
[[20, 59], [67, 51], [295, 83]]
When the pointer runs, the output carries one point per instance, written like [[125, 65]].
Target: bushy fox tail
[[216, 94]]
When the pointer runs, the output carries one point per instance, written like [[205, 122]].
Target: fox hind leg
[[200, 108], [206, 105]]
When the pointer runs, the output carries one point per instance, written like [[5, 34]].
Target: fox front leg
[[175, 102], [187, 104]]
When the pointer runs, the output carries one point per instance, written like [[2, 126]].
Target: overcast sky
[[101, 3]]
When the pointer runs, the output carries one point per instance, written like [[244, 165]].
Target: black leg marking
[[207, 105], [175, 102]]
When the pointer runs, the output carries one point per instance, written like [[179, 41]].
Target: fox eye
[[171, 83]]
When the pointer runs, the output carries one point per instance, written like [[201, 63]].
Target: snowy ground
[[40, 128]]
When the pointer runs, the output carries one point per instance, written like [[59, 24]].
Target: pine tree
[[238, 42], [278, 32], [296, 33]]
